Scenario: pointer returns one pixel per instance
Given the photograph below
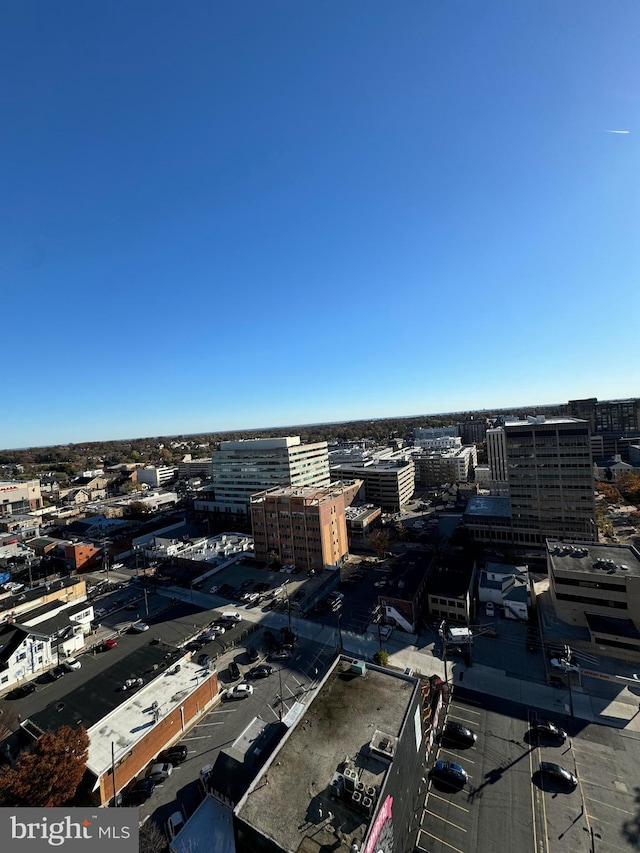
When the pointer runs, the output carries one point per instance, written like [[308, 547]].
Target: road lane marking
[[468, 710], [196, 737], [449, 802], [461, 757], [221, 723], [442, 841], [609, 806], [444, 820]]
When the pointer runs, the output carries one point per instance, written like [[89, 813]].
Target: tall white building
[[244, 468]]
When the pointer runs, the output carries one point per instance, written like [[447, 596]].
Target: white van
[[231, 616]]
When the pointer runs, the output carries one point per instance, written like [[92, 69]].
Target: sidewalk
[[623, 712]]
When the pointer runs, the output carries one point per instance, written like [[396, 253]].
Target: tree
[[151, 839], [379, 541], [48, 773], [138, 507]]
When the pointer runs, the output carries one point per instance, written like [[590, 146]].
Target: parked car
[[174, 824], [457, 732], [234, 671], [24, 690], [57, 672], [174, 754], [252, 654], [240, 691], [203, 660], [548, 730], [159, 772], [105, 645], [385, 632], [558, 774], [450, 772], [281, 654], [139, 627], [262, 671], [139, 793], [490, 609], [71, 663]]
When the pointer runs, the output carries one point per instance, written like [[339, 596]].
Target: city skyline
[[222, 219]]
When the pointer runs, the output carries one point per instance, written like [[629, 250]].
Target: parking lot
[[506, 803], [290, 681]]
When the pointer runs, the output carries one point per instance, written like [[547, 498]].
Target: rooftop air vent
[[383, 744]]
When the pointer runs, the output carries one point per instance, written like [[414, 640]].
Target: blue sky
[[230, 215]]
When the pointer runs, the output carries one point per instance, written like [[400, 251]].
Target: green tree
[[48, 773]]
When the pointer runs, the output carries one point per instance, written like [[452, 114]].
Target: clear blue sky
[[220, 215]]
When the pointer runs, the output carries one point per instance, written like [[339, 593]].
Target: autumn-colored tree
[[381, 657], [629, 487], [48, 773], [610, 492], [379, 541], [138, 507]]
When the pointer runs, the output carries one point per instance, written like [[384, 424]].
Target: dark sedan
[[558, 774], [139, 793], [262, 671], [175, 754], [234, 671], [548, 730], [460, 734]]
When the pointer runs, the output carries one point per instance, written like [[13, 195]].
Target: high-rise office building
[[243, 468], [550, 477]]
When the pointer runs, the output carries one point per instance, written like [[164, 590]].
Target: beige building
[[598, 586], [453, 465], [305, 527], [17, 497], [388, 484], [244, 468]]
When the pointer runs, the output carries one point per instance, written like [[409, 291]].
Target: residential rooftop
[[353, 718]]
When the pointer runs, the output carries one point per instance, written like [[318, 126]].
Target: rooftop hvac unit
[[350, 780], [370, 791], [367, 805], [360, 787], [356, 799]]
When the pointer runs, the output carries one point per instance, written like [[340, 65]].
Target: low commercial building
[[362, 521], [19, 497], [156, 476], [487, 519], [131, 711], [189, 468], [598, 586], [451, 590], [306, 527], [403, 603], [348, 775]]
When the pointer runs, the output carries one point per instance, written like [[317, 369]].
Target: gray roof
[[338, 724], [490, 506], [594, 558]]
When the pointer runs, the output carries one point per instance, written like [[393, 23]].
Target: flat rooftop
[[123, 717], [593, 558], [488, 506], [291, 799]]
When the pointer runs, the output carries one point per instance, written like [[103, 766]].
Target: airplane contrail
[[618, 131]]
